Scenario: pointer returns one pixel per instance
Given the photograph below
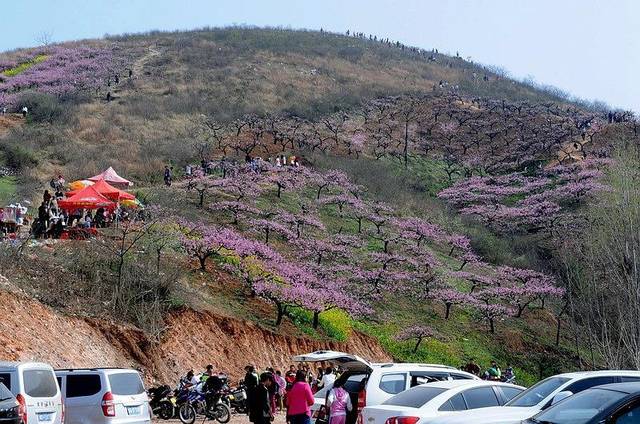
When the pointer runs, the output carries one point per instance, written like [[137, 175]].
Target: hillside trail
[[571, 151], [10, 121]]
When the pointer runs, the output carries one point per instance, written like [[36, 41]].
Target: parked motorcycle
[[236, 398], [161, 402], [196, 405]]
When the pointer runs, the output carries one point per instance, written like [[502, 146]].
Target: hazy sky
[[590, 48]]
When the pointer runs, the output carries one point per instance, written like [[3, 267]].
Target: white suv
[[104, 395], [539, 397], [35, 388], [372, 384]]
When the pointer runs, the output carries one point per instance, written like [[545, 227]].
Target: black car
[[609, 404], [9, 407]]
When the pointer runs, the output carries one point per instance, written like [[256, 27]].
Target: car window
[[126, 384], [580, 408], [393, 383], [83, 385], [415, 397], [461, 377], [5, 378], [354, 383], [480, 397], [456, 403], [40, 383], [423, 377], [630, 417], [626, 379], [538, 392], [4, 392], [510, 392], [588, 383]]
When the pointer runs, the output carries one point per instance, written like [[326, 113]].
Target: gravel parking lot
[[235, 419]]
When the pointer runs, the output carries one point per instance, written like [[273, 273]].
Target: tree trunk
[[418, 342], [316, 319], [492, 326], [203, 263], [280, 313], [447, 310]]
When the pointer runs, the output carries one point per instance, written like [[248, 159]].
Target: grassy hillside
[[404, 125]]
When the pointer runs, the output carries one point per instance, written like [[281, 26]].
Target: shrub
[[44, 107]]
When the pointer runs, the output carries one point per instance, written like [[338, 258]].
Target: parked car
[[9, 407], [611, 404], [539, 397], [422, 403], [371, 384], [35, 388], [104, 395]]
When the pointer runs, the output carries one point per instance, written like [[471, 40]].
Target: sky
[[590, 48]]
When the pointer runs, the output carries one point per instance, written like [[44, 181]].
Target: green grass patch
[[12, 72], [8, 186]]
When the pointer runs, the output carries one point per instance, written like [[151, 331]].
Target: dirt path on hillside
[[9, 121], [572, 151]]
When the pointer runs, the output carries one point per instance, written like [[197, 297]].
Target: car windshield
[[538, 392], [4, 393], [580, 408], [415, 397]]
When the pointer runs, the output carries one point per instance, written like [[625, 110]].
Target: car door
[[480, 397], [628, 414], [82, 397]]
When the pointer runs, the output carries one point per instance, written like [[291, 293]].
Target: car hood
[[493, 415]]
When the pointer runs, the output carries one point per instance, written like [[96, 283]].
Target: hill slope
[[419, 136]]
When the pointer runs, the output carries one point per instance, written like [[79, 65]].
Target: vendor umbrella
[[87, 198], [112, 177]]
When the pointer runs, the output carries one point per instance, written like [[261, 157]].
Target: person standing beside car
[[328, 378], [339, 403], [299, 400], [250, 383]]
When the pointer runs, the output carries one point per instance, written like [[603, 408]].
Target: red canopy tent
[[108, 191], [87, 198], [112, 177]]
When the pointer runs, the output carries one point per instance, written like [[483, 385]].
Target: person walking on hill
[[339, 403], [299, 400], [260, 409], [167, 176]]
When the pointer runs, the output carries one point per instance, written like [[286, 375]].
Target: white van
[[371, 384], [104, 395], [35, 388]]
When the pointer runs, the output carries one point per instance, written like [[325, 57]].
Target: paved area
[[235, 419]]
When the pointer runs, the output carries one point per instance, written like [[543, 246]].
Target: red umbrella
[[87, 198]]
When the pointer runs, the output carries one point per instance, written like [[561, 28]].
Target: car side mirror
[[561, 396]]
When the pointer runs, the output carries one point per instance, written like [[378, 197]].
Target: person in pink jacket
[[339, 403], [299, 400]]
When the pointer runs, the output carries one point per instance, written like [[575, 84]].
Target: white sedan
[[423, 403]]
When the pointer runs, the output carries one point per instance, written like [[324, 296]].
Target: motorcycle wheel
[[187, 414], [222, 413], [241, 408], [166, 410]]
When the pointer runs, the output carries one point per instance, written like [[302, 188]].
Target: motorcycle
[[236, 399], [196, 404], [161, 402]]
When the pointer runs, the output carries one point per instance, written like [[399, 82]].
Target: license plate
[[134, 410], [45, 417]]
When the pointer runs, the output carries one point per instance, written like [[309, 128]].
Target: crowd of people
[[493, 373], [273, 391]]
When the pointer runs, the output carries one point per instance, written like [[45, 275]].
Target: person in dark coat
[[250, 383], [260, 410]]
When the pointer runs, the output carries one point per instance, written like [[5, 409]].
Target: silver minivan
[[104, 395], [35, 388]]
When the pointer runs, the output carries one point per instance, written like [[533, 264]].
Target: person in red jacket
[[299, 400]]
